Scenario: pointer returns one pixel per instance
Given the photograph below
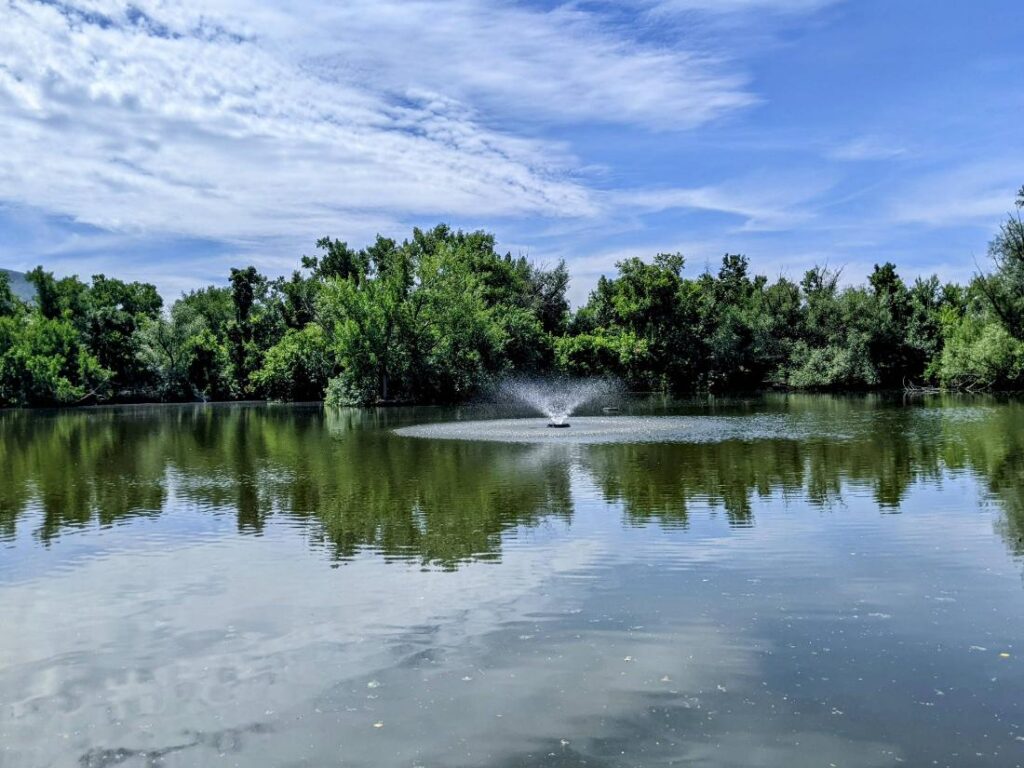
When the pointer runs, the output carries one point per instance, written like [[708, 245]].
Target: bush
[[980, 354], [346, 389], [598, 354], [831, 367]]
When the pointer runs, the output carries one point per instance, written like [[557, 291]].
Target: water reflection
[[353, 483], [779, 602], [356, 486]]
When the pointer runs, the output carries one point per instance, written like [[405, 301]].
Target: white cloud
[[764, 202], [564, 64], [238, 120], [735, 6], [978, 194], [866, 148], [130, 131]]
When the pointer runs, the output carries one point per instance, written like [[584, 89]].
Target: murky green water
[[819, 582]]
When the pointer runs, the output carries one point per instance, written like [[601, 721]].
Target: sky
[[169, 141]]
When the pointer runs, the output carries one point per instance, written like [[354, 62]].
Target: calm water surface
[[814, 582]]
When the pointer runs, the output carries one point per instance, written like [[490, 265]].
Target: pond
[[781, 581]]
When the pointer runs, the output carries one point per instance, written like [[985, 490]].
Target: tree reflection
[[348, 484]]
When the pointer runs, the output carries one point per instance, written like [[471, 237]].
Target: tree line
[[439, 316]]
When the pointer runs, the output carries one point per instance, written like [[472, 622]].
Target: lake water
[[808, 581]]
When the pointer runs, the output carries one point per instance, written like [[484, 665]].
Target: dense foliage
[[439, 316]]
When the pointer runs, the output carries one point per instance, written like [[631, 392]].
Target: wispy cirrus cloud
[[866, 148], [979, 194], [166, 123], [562, 64], [736, 6], [168, 140], [238, 120], [758, 201]]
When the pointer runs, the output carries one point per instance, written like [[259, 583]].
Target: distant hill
[[22, 287]]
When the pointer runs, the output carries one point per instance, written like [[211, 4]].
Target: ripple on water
[[626, 429]]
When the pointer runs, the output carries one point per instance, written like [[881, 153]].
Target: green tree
[[297, 367], [255, 326], [778, 324], [417, 325], [982, 324], [728, 307], [644, 322], [337, 261], [364, 318], [10, 304], [44, 361], [212, 306], [55, 298], [834, 352], [1004, 288], [117, 311], [208, 368], [191, 346], [296, 299]]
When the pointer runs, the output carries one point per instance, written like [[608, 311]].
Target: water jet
[[558, 398]]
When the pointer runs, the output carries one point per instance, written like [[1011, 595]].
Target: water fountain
[[558, 398]]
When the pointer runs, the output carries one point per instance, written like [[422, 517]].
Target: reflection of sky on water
[[660, 644], [806, 634]]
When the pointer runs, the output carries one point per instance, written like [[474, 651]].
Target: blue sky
[[168, 141]]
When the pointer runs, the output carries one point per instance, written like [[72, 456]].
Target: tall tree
[[1004, 289]]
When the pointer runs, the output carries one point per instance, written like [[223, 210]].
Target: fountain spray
[[558, 398]]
